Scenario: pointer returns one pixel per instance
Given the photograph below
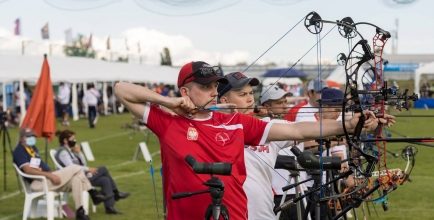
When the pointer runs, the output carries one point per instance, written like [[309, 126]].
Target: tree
[[122, 60], [79, 48], [166, 60]]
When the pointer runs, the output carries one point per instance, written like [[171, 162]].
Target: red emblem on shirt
[[222, 137], [192, 134]]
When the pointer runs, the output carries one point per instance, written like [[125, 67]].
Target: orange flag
[[40, 113]]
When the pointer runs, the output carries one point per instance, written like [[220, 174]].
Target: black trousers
[[91, 114], [291, 212], [105, 181]]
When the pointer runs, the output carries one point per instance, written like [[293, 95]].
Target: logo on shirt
[[192, 134], [222, 137], [262, 148]]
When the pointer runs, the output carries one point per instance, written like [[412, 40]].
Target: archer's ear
[[184, 91], [224, 100], [309, 93], [266, 105]]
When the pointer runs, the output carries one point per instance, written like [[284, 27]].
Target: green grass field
[[113, 147]]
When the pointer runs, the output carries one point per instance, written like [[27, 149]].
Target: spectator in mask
[[69, 154], [26, 157]]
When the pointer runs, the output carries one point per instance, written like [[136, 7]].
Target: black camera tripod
[[320, 207], [216, 190], [4, 134]]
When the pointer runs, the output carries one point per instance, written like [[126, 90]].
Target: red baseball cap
[[185, 74]]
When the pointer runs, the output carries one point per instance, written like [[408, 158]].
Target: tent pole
[[22, 102], [5, 106], [104, 97], [114, 107], [84, 104], [74, 102]]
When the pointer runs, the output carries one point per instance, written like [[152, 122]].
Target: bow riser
[[386, 179]]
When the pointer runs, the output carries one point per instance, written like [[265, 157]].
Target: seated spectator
[[26, 157], [69, 154]]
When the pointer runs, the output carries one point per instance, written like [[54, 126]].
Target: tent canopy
[[426, 69], [288, 81], [284, 72], [338, 75], [79, 69]]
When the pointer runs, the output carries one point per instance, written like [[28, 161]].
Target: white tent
[[79, 70], [338, 75], [426, 69]]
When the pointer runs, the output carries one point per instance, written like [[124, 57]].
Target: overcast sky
[[226, 31]]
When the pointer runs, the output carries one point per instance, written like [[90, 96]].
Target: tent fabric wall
[[78, 70], [75, 70], [338, 75], [288, 81], [426, 69]]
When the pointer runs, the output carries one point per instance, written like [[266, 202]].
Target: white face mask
[[31, 141]]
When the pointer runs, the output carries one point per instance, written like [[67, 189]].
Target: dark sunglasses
[[205, 72]]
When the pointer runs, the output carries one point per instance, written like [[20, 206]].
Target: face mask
[[71, 143], [31, 141]]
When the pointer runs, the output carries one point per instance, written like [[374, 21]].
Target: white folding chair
[[31, 203], [85, 195], [53, 157]]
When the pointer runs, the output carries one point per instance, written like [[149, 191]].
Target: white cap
[[272, 93], [317, 85]]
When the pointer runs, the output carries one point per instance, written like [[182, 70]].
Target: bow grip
[[359, 126], [372, 161]]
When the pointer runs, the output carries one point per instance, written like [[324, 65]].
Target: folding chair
[[85, 193], [31, 203]]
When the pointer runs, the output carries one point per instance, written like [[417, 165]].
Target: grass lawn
[[114, 147]]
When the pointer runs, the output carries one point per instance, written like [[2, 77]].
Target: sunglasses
[[205, 72]]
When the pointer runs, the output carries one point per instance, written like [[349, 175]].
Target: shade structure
[[427, 69], [284, 72], [288, 81], [19, 68], [40, 114], [339, 76], [333, 84], [80, 70]]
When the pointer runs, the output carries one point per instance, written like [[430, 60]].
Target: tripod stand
[[293, 174], [316, 176], [216, 190], [4, 133], [333, 186]]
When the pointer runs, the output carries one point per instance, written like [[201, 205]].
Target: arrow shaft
[[409, 140]]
